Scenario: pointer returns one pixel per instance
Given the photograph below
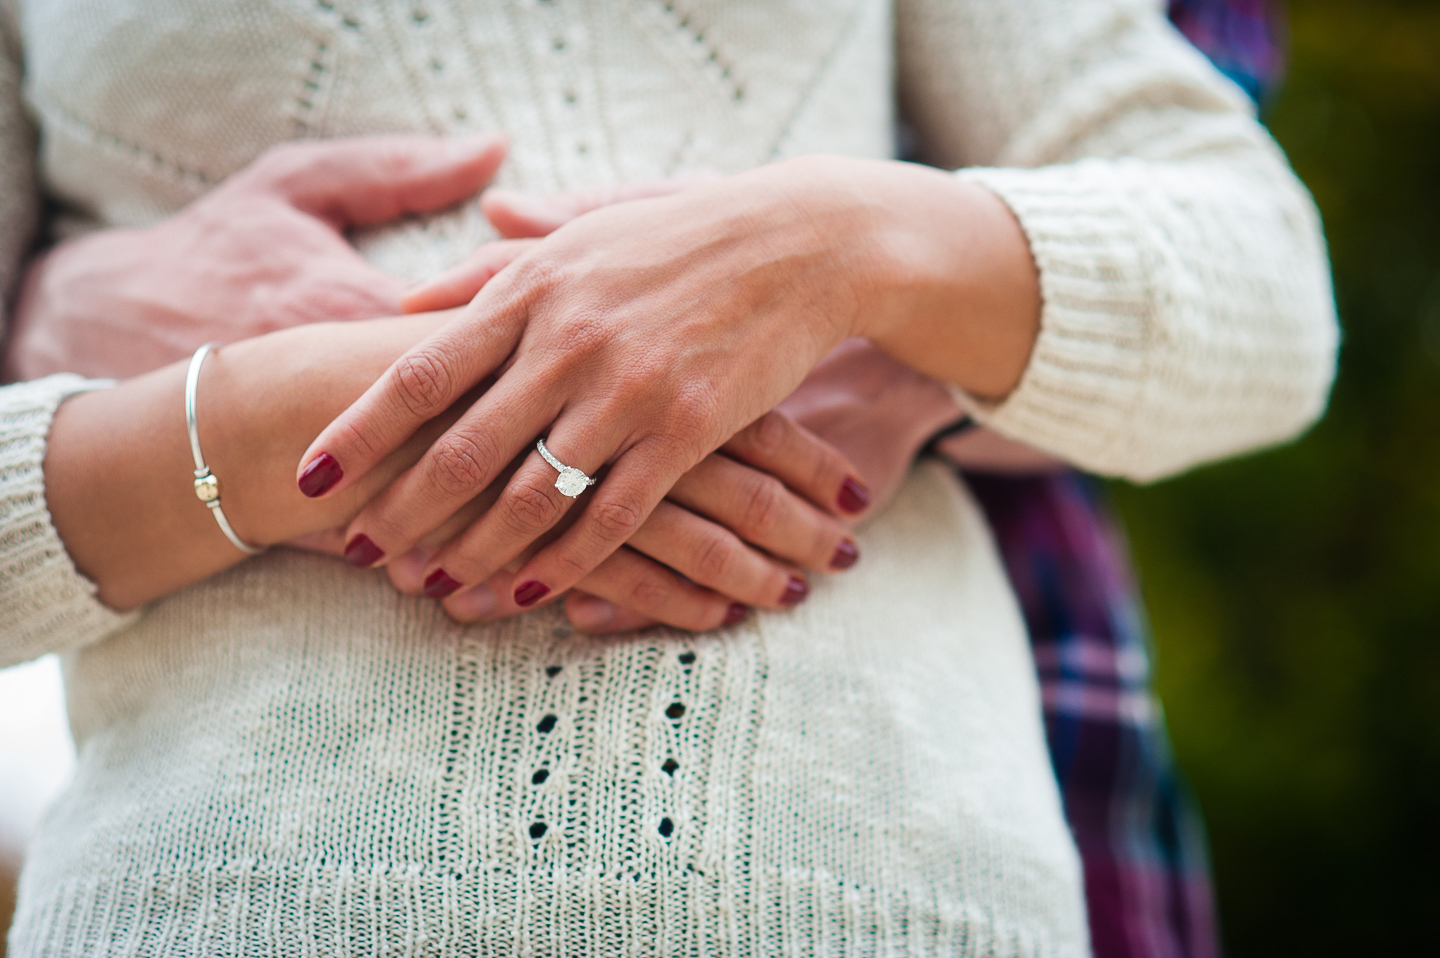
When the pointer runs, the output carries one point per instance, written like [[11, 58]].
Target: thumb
[[519, 215], [364, 180], [459, 284]]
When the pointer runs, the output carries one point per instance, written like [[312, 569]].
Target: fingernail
[[531, 592], [795, 590], [474, 603], [845, 556], [591, 615], [735, 613], [853, 497], [361, 552], [439, 584], [320, 475]]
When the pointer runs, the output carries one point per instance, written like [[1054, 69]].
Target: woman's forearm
[[118, 471], [940, 276]]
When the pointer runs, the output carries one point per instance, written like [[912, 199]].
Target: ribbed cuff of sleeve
[[46, 605], [1087, 374]]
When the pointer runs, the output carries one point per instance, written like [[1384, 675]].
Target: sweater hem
[[325, 909]]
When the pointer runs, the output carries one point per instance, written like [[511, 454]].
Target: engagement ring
[[571, 481]]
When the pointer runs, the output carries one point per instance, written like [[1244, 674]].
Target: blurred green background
[[1295, 596]]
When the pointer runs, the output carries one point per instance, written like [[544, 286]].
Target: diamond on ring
[[571, 481]]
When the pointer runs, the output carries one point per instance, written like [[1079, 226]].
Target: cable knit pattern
[[292, 759], [47, 606]]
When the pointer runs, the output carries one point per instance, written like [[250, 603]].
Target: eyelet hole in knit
[[541, 774], [547, 724], [670, 767], [687, 658], [537, 831], [551, 671], [666, 827], [676, 711]]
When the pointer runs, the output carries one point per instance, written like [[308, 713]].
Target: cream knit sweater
[[293, 759]]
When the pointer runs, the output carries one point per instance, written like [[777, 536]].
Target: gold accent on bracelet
[[207, 484]]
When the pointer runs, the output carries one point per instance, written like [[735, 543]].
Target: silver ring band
[[207, 484], [571, 481]]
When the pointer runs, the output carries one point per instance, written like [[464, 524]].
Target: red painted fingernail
[[361, 552], [853, 497], [735, 613], [531, 592], [321, 475], [845, 555], [795, 590], [439, 584]]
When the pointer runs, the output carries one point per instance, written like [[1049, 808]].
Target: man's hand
[[265, 250]]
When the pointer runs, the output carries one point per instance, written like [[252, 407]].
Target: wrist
[[263, 400], [941, 277]]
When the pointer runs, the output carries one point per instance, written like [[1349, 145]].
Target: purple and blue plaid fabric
[[1147, 880], [1141, 840], [1241, 37]]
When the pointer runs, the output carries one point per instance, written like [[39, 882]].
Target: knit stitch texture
[[293, 759]]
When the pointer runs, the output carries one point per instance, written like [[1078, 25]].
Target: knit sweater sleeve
[[46, 605], [1187, 307]]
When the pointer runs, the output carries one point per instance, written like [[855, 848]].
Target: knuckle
[[352, 435], [458, 465], [572, 566], [650, 593], [423, 382], [767, 435], [764, 502], [530, 278], [715, 559], [617, 520], [529, 509], [694, 408]]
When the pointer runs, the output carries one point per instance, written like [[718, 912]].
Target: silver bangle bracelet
[[207, 484]]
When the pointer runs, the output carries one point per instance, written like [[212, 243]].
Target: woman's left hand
[[639, 337]]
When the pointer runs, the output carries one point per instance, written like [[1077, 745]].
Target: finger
[[407, 570], [459, 284], [529, 507], [631, 489], [489, 601], [633, 586], [363, 180], [594, 615], [713, 556], [776, 444], [758, 508], [518, 215], [477, 603], [424, 382], [436, 500]]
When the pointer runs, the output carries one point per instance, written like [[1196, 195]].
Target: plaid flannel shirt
[[1140, 836]]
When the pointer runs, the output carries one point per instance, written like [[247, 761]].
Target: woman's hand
[[645, 334], [265, 250], [756, 494], [118, 472]]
